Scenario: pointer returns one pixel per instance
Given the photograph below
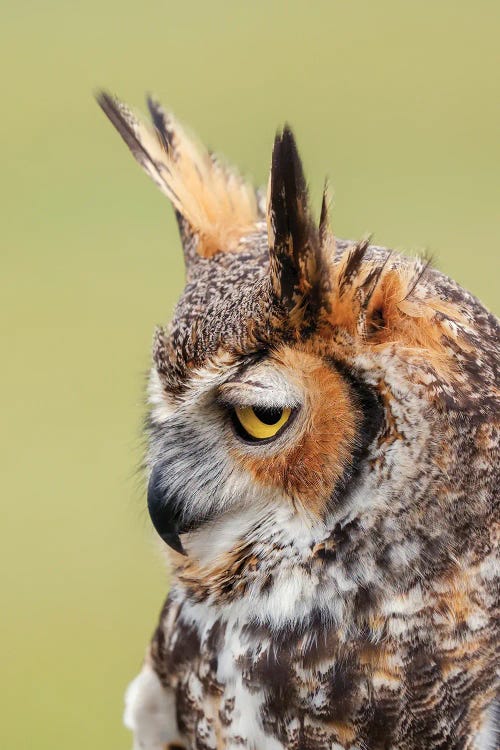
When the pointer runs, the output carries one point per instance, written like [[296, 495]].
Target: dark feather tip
[[160, 122]]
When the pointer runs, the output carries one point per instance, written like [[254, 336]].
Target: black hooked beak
[[164, 512]]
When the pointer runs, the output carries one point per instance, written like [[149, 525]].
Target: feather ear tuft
[[298, 271], [215, 207]]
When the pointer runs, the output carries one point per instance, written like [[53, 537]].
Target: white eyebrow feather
[[262, 385]]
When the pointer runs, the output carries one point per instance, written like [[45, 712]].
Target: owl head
[[317, 407]]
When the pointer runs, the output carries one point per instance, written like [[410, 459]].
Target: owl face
[[256, 433], [306, 398]]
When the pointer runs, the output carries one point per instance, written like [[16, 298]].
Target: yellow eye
[[259, 422]]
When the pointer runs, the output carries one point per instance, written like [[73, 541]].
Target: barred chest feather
[[415, 675]]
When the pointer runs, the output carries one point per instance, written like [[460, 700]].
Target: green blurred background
[[397, 102]]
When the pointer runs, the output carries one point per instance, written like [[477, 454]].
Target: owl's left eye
[[256, 423]]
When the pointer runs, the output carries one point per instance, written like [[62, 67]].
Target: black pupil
[[268, 414]]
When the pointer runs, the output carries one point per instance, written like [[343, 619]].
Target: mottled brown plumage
[[335, 583]]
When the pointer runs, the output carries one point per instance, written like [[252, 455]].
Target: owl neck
[[284, 568]]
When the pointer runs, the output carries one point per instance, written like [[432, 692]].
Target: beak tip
[[174, 542]]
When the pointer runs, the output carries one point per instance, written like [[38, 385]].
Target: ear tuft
[[215, 207], [326, 237], [298, 271]]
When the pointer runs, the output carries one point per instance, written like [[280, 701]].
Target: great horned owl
[[322, 450]]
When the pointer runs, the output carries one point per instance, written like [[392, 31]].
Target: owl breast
[[234, 684]]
